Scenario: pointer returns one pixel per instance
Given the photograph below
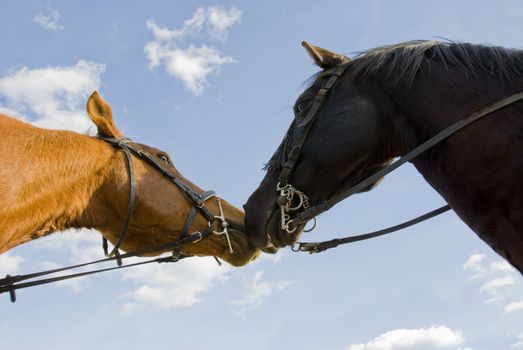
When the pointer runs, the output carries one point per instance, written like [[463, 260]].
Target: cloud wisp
[[50, 19], [54, 96], [513, 307], [499, 280], [68, 248], [166, 286], [256, 292], [9, 264], [519, 342], [192, 64], [433, 338]]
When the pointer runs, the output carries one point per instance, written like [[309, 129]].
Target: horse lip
[[260, 236], [239, 227], [281, 238], [270, 219]]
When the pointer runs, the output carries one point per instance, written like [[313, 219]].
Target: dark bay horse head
[[360, 114], [343, 146]]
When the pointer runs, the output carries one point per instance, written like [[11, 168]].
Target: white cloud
[[519, 343], [70, 247], [165, 286], [498, 281], [435, 337], [49, 20], [12, 112], [502, 266], [9, 264], [192, 64], [492, 286], [513, 307], [192, 26], [55, 95], [157, 286], [474, 263], [257, 292], [220, 20], [77, 245]]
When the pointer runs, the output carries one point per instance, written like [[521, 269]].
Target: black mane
[[400, 63]]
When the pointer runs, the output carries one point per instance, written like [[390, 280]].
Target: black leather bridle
[[198, 199], [288, 193], [305, 212], [10, 284]]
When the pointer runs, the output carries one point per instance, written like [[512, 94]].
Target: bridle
[[10, 284], [292, 200], [288, 193], [198, 199]]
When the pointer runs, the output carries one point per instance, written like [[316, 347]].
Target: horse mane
[[400, 63]]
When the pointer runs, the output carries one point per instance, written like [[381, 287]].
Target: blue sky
[[212, 83]]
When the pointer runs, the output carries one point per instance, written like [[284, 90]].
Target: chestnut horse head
[[52, 180]]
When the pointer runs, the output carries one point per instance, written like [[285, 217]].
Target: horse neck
[[458, 168], [440, 97], [48, 179], [476, 170]]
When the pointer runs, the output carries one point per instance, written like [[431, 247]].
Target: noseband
[[198, 200], [305, 212]]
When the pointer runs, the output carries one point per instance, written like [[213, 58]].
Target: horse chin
[[243, 251], [263, 240], [279, 238]]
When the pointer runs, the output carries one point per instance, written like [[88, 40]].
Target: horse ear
[[102, 116], [324, 58]]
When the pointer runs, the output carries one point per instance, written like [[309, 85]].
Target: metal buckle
[[224, 224], [322, 95], [308, 247], [202, 200], [199, 234], [9, 282], [123, 141]]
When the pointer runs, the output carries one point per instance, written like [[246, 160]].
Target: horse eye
[[164, 158], [300, 108]]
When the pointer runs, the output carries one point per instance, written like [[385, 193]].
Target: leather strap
[[306, 124], [132, 193], [318, 247], [308, 214], [128, 146], [11, 283]]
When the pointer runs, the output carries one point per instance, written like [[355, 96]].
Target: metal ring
[[290, 208], [199, 234], [288, 226], [123, 141], [296, 247], [312, 228]]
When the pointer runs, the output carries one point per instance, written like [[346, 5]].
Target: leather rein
[[305, 212], [11, 283]]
